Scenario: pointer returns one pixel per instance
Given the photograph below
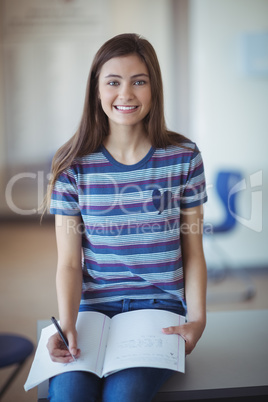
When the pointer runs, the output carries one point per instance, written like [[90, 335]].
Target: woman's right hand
[[58, 351]]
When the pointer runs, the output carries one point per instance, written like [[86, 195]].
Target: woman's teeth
[[125, 107]]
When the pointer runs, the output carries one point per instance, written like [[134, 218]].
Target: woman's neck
[[127, 145]]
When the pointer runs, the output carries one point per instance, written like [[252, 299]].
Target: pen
[[55, 322]]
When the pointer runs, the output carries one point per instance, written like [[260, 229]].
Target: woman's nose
[[126, 91]]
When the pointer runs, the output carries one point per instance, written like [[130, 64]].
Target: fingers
[[171, 330], [72, 343], [184, 332], [58, 351]]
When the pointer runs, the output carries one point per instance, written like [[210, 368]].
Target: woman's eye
[[141, 82], [113, 83]]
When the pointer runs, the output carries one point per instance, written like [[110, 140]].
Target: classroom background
[[214, 60]]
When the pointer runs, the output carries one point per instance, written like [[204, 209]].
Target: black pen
[[55, 322]]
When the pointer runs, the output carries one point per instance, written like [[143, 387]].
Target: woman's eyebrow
[[140, 75], [133, 76], [113, 75]]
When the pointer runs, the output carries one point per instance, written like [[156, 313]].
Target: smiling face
[[125, 91]]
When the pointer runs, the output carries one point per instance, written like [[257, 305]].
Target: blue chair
[[14, 350], [227, 188], [225, 182]]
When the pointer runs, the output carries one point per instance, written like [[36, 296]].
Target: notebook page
[[92, 329], [136, 340]]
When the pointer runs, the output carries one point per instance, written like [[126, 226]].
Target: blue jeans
[[130, 385]]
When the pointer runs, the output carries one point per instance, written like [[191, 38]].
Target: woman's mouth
[[125, 108]]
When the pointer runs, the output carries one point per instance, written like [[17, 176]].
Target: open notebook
[[131, 339]]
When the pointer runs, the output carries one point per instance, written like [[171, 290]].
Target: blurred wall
[[2, 142], [228, 109]]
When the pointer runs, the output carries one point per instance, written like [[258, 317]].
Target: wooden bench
[[230, 360]]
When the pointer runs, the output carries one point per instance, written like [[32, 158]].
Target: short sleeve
[[194, 191], [64, 198]]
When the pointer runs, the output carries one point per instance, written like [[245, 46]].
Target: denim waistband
[[120, 306]]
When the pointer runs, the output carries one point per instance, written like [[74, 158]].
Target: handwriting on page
[[143, 342], [145, 348]]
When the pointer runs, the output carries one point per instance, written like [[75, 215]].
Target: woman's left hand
[[190, 332]]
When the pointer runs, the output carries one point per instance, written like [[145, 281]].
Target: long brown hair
[[94, 126]]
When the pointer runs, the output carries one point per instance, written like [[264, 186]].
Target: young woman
[[127, 195]]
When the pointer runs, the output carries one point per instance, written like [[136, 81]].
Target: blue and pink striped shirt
[[131, 220]]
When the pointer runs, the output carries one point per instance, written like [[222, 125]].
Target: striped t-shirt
[[131, 220]]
